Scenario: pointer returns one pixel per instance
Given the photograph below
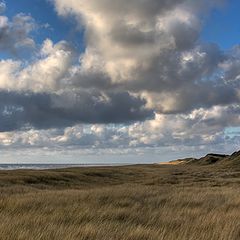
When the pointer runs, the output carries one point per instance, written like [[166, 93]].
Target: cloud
[[151, 49], [14, 34], [144, 80], [43, 110], [137, 32], [198, 128], [44, 74], [2, 7]]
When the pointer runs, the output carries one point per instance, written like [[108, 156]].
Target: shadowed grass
[[134, 202]]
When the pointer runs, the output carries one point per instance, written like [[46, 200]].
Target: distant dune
[[211, 158]]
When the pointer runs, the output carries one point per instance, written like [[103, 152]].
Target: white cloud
[[44, 74], [138, 54], [135, 31], [2, 7], [15, 33], [150, 48], [200, 127]]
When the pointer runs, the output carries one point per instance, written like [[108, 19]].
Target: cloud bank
[[144, 79]]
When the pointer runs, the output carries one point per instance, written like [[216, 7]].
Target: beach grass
[[113, 203]]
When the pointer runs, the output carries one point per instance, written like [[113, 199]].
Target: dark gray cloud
[[173, 70], [180, 31], [231, 66], [190, 78], [197, 96], [129, 36], [42, 111]]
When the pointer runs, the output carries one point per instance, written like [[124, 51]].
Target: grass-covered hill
[[142, 202], [218, 159]]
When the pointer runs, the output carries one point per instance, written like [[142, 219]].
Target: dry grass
[[133, 203]]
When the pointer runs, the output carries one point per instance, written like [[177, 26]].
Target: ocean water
[[50, 166]]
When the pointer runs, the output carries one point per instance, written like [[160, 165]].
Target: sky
[[118, 81]]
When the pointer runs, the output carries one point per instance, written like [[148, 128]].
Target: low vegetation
[[167, 202]]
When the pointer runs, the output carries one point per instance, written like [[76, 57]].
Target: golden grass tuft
[[117, 203]]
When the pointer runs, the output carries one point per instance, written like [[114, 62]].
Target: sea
[[52, 166]]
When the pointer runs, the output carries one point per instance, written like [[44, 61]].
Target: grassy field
[[113, 203]]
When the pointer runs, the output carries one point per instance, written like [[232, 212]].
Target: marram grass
[[117, 203]]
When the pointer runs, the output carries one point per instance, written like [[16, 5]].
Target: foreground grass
[[135, 202]]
